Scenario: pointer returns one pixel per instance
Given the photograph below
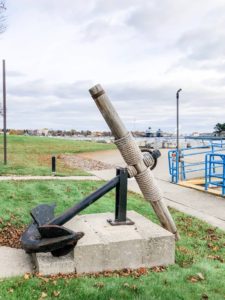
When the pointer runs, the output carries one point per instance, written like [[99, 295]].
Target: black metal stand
[[121, 200], [46, 233], [53, 164]]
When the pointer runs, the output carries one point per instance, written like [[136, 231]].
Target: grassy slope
[[195, 251], [32, 155]]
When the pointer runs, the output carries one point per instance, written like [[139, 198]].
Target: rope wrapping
[[148, 159], [148, 186], [132, 172], [146, 181], [129, 150]]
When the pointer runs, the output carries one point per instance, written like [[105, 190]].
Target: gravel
[[85, 164]]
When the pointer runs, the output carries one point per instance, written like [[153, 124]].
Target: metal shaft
[[4, 111], [121, 196], [178, 133], [70, 213], [177, 122], [53, 164]]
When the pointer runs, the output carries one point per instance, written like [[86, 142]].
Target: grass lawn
[[29, 155], [199, 271]]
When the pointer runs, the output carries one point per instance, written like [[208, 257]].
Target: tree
[[2, 17], [219, 128]]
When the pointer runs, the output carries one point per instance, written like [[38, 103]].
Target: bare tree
[[2, 16]]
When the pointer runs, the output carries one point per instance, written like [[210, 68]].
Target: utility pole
[[4, 111], [178, 146], [178, 92]]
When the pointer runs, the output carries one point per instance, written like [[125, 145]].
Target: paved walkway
[[202, 205]]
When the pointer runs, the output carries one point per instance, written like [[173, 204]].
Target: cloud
[[140, 51], [40, 88], [70, 106], [11, 73], [203, 47]]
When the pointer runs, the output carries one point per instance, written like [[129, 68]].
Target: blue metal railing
[[173, 160], [212, 177], [179, 168]]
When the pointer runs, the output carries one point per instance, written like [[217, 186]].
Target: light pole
[[4, 111], [178, 146]]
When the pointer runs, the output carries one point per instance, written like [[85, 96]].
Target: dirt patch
[[44, 159], [135, 273], [10, 236], [86, 164]]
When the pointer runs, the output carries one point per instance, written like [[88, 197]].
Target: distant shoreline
[[206, 138]]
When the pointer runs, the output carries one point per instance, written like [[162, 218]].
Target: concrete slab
[[47, 264], [106, 247], [14, 262]]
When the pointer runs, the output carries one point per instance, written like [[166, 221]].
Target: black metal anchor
[[46, 233]]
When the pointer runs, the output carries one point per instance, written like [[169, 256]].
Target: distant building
[[159, 133], [207, 134], [96, 133], [149, 133], [42, 132], [195, 133]]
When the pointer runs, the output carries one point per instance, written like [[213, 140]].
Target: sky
[[141, 52]]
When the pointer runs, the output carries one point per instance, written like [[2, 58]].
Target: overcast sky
[[140, 51]]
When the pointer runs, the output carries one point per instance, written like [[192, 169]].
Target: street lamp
[[178, 94], [178, 146]]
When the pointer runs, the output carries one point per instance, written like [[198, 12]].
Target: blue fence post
[[206, 172], [217, 161], [223, 187], [213, 161], [177, 167]]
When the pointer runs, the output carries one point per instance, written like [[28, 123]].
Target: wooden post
[[119, 131]]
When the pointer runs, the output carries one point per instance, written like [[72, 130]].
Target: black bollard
[[53, 164]]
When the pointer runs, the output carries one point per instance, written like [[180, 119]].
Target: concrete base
[[106, 247], [14, 262], [47, 264]]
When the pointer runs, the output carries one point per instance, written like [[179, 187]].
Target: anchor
[[46, 233]]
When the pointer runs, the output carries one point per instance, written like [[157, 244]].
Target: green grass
[[172, 284], [201, 250], [29, 155]]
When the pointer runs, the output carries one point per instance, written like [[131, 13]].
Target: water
[[155, 142]]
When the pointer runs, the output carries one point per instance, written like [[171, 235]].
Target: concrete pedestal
[[106, 247]]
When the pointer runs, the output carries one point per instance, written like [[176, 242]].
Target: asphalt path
[[207, 207]]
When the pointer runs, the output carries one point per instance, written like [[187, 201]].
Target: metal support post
[[121, 199], [53, 164], [178, 146]]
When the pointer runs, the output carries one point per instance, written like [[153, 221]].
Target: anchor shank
[[70, 213]]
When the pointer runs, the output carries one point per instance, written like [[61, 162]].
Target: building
[[149, 132], [159, 133]]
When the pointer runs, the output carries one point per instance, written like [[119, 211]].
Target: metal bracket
[[118, 223], [121, 200]]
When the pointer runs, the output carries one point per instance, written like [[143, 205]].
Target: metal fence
[[215, 171], [191, 163]]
